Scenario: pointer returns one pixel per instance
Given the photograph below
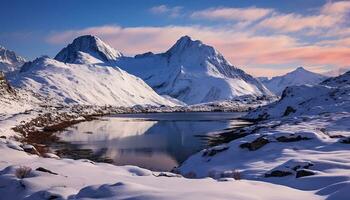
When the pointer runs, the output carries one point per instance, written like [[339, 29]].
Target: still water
[[157, 141]]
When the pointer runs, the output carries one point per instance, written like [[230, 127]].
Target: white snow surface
[[332, 95], [192, 72], [85, 84], [299, 76], [9, 60], [313, 140], [83, 179], [88, 44]]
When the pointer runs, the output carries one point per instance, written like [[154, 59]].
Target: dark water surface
[[157, 141]]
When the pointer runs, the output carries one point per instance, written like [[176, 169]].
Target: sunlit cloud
[[295, 22], [336, 8], [242, 49], [244, 46], [164, 9], [238, 14]]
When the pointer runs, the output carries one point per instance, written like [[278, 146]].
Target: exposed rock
[[41, 169], [214, 150], [289, 110], [30, 149], [278, 173], [291, 139], [345, 141], [256, 144], [304, 172], [5, 87]]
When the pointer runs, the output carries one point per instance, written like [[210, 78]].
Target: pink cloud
[[250, 52], [239, 14], [336, 8], [164, 9], [294, 22]]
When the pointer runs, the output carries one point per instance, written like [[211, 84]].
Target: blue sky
[[262, 37]]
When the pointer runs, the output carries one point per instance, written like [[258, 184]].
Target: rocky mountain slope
[[299, 76], [9, 60]]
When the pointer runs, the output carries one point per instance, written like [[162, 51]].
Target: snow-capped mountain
[[192, 72], [9, 61], [299, 76], [94, 46], [85, 84], [332, 95]]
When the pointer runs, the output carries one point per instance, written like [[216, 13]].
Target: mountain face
[[91, 45], [87, 84], [9, 61], [192, 72], [330, 96], [4, 85], [299, 76]]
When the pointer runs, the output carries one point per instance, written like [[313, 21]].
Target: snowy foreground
[[299, 151], [302, 142], [25, 175]]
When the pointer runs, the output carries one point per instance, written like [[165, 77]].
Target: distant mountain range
[[9, 60], [189, 71], [330, 96], [299, 76], [89, 71]]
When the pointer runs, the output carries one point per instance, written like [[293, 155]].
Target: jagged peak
[[300, 69], [186, 42], [90, 44]]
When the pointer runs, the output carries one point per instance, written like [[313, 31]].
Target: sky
[[262, 37]]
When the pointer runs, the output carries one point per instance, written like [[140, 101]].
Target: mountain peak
[[299, 76], [91, 45], [300, 69], [185, 38], [193, 47], [9, 60]]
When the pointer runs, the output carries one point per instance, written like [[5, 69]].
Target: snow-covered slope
[[192, 72], [85, 84], [299, 76], [91, 45], [302, 142], [9, 61], [332, 95]]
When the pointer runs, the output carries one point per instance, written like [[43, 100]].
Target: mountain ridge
[[9, 60], [181, 71], [299, 76]]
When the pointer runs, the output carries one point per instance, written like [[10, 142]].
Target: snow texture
[[85, 84], [299, 76]]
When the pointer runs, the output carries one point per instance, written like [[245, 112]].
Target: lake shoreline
[[44, 136]]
